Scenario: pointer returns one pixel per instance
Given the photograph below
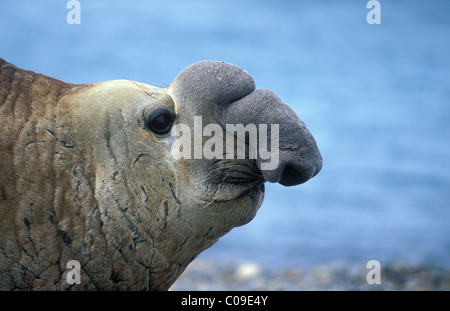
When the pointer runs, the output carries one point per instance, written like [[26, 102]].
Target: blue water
[[376, 98]]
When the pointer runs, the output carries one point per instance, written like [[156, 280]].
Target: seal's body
[[87, 174]]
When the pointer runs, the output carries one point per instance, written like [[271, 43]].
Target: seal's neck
[[18, 87]]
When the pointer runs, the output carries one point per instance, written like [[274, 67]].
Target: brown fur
[[73, 188]]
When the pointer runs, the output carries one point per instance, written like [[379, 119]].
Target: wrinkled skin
[[83, 178]]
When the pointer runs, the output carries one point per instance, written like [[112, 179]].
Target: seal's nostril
[[291, 176]]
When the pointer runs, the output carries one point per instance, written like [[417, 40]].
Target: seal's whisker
[[207, 204], [217, 174], [206, 179], [215, 196], [229, 166], [160, 83], [213, 199], [144, 90]]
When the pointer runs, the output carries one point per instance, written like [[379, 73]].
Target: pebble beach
[[203, 275]]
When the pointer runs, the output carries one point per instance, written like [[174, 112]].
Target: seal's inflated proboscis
[[88, 173]]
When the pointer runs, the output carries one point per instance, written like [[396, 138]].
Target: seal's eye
[[160, 121]]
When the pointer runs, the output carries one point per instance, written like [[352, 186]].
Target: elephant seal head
[[134, 181]]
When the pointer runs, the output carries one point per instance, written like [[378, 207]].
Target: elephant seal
[[88, 175]]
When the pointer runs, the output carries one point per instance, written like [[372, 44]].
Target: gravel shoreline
[[203, 275]]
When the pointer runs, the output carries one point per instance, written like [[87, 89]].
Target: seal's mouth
[[223, 195], [229, 180]]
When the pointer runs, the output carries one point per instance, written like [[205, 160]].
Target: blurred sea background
[[375, 97]]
